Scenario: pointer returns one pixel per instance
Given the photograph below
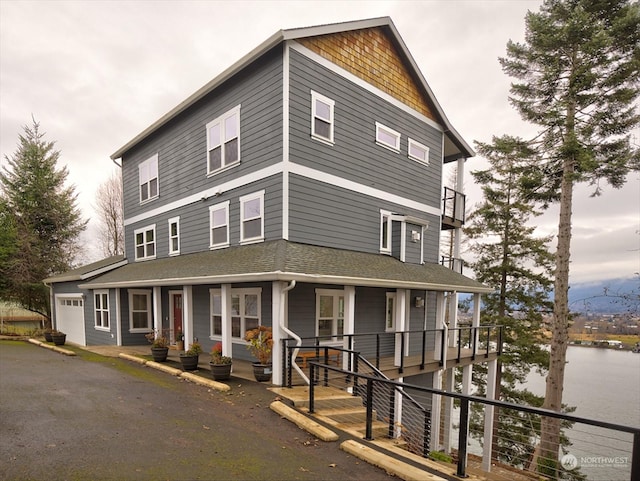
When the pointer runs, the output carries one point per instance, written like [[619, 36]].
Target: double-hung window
[[174, 236], [418, 152], [387, 137], [245, 311], [329, 314], [252, 217], [223, 141], [101, 307], [148, 179], [145, 240], [385, 232], [321, 117], [139, 310], [219, 225]]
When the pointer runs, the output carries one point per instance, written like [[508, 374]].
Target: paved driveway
[[91, 418]]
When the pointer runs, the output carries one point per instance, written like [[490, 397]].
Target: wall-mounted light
[[419, 302], [415, 236]]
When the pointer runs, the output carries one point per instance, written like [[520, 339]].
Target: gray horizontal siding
[[355, 155], [194, 219], [327, 215], [181, 144]]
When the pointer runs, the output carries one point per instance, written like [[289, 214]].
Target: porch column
[[447, 422], [436, 383], [440, 324], [492, 370], [118, 319], [187, 315], [157, 310], [278, 316], [475, 321], [401, 322], [349, 319], [225, 299]]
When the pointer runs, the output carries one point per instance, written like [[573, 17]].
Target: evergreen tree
[[45, 218], [510, 257], [577, 77]]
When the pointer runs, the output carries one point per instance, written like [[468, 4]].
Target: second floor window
[[219, 225], [148, 179], [385, 232], [145, 243], [251, 217], [223, 141], [418, 152], [174, 236], [321, 117], [387, 137]]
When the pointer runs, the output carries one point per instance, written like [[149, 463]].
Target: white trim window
[[246, 311], [329, 315], [145, 243], [322, 109], [148, 179], [219, 225], [101, 308], [252, 218], [174, 236], [387, 137], [390, 313], [139, 310], [418, 152], [223, 141], [385, 232]]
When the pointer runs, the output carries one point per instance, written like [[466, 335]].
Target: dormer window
[[321, 117], [148, 179], [223, 141]]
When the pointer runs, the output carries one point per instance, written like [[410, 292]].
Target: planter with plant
[[179, 340], [190, 357], [47, 334], [58, 338], [220, 365], [260, 344], [159, 346]]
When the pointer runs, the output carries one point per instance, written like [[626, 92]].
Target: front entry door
[[176, 302]]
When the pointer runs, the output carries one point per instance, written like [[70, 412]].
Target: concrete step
[[379, 429], [346, 414]]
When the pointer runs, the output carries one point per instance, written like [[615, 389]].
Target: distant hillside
[[604, 297]]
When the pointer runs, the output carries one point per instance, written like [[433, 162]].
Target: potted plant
[[260, 344], [47, 334], [220, 365], [189, 358], [58, 337], [179, 340], [159, 346]]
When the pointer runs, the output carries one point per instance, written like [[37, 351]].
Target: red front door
[[176, 300]]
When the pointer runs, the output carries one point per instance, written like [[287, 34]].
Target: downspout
[[298, 339]]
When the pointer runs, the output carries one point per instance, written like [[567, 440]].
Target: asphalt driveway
[[96, 418]]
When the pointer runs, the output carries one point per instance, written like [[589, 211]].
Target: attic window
[[321, 117], [387, 137], [223, 141]]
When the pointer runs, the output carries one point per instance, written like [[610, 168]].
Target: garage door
[[70, 317]]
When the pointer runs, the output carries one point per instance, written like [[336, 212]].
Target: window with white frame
[[252, 217], [145, 240], [148, 179], [139, 310], [245, 311], [390, 313], [174, 236], [223, 141], [387, 137], [329, 314], [418, 152], [219, 225], [385, 232], [101, 307], [321, 117]]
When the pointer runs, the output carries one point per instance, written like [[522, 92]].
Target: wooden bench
[[333, 355]]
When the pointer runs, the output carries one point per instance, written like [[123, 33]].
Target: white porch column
[[225, 300], [187, 315], [402, 297], [436, 383], [157, 310], [447, 423], [440, 324], [492, 369], [349, 319], [118, 319], [278, 315], [475, 321]]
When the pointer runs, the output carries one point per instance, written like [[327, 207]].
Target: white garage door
[[70, 317]]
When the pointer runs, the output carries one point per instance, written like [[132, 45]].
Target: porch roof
[[286, 261], [88, 271]]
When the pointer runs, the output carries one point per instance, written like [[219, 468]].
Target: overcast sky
[[95, 74]]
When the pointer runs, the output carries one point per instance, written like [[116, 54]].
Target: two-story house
[[300, 189]]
